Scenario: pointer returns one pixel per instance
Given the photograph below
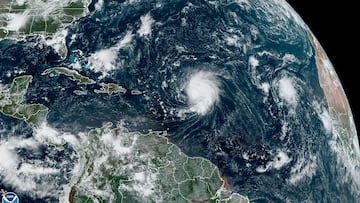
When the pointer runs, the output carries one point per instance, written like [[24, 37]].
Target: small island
[[136, 92], [80, 92]]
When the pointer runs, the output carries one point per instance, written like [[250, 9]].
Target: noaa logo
[[10, 197]]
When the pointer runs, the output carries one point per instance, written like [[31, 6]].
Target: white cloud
[[104, 60], [20, 2], [30, 169], [9, 159], [281, 159], [146, 24], [265, 87], [35, 176], [99, 4], [253, 61], [58, 42], [284, 129], [10, 173], [202, 91], [119, 144], [243, 3], [287, 91], [43, 10], [303, 168], [232, 40], [255, 77], [46, 134], [324, 116], [144, 183], [17, 20]]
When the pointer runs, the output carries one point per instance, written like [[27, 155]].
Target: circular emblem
[[10, 197]]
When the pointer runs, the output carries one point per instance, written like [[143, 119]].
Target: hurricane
[[202, 91]]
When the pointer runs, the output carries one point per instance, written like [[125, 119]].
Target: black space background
[[335, 24]]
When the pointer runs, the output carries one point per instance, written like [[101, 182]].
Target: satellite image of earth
[[131, 101]]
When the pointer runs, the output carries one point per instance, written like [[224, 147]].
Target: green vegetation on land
[[42, 16], [120, 166], [110, 88], [72, 74], [11, 103]]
